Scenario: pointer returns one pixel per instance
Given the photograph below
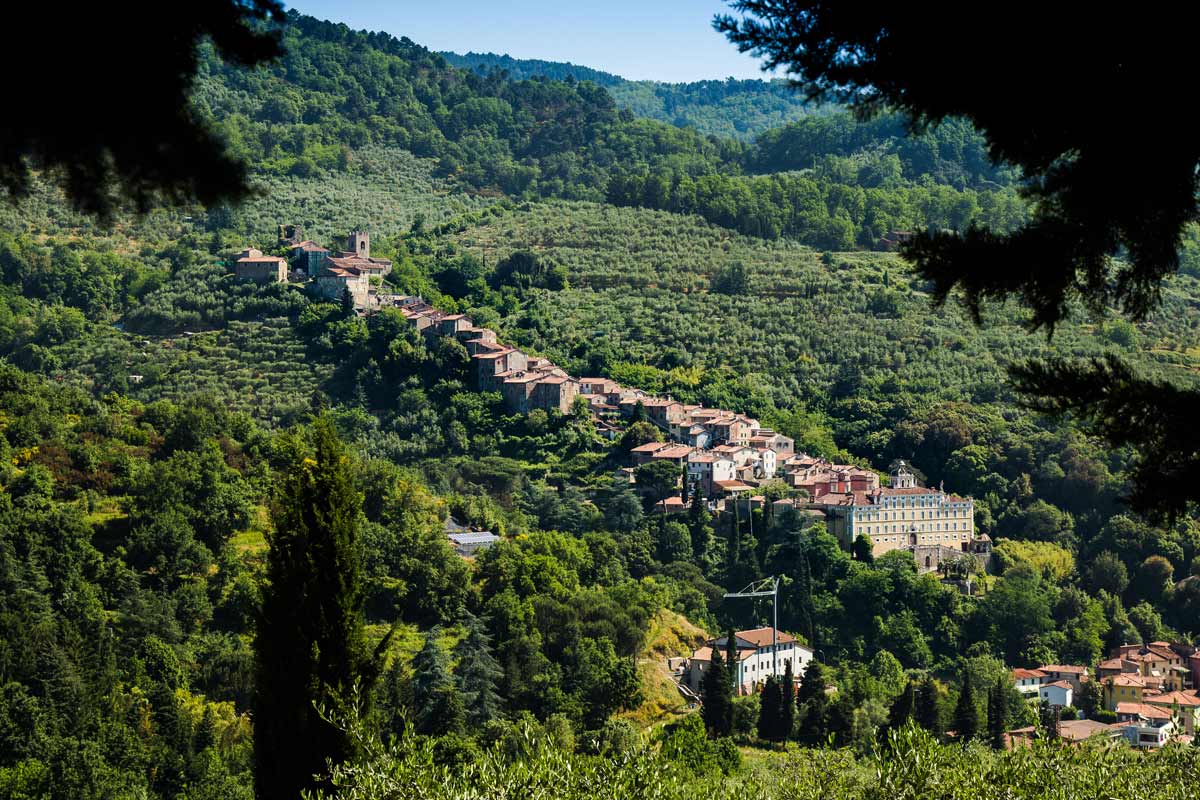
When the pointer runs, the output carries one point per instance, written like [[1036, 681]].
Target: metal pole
[[774, 628]]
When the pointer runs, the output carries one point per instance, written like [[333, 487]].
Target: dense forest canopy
[[157, 417]]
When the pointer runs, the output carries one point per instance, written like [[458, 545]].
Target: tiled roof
[[1126, 679], [1143, 710], [1063, 668], [761, 637], [705, 654], [1180, 699], [679, 451], [1027, 674]]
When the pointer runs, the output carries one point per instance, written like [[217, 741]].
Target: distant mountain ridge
[[738, 109], [521, 68]]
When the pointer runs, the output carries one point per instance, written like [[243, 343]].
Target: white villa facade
[[757, 658]]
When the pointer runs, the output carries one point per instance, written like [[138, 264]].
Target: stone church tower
[[359, 243]]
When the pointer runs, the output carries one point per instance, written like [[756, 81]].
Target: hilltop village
[[1143, 694], [725, 455]]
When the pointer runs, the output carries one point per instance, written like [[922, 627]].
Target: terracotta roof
[[732, 486], [678, 451], [705, 654], [260, 259], [1126, 679], [1143, 710], [1059, 684], [496, 354], [761, 637], [1026, 674], [1180, 699], [1113, 663], [1077, 730], [650, 447], [1063, 668]]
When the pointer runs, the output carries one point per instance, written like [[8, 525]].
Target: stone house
[[308, 257], [334, 281], [556, 392], [490, 365]]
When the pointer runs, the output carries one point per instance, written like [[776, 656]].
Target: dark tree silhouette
[[311, 647], [1050, 116], [718, 697], [127, 133]]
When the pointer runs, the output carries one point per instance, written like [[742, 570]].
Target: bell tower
[[902, 476], [359, 243]]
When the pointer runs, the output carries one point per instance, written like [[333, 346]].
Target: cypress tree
[[731, 660], [310, 647], [768, 710], [787, 703], [839, 720], [927, 711], [966, 712], [718, 697], [812, 705], [997, 708], [347, 303], [478, 674], [438, 708], [901, 710]]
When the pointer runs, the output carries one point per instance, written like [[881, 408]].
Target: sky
[[663, 40]]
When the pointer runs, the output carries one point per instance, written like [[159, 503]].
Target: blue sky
[[665, 40]]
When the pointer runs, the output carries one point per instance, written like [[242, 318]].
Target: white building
[[467, 542], [1057, 693], [1028, 681], [705, 469], [757, 658]]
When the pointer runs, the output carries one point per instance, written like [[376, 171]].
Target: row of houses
[[1151, 688], [726, 454]]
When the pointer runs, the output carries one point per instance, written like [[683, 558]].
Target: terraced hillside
[[804, 326], [256, 367]]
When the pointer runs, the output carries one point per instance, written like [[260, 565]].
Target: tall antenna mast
[[760, 589]]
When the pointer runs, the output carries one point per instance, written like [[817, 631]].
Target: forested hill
[[822, 180], [522, 68], [151, 407], [740, 109]]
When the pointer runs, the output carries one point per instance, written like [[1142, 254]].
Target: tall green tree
[[310, 647], [812, 705], [928, 710], [966, 712], [901, 710], [717, 691], [768, 710], [731, 659], [997, 715], [787, 702], [437, 705], [478, 673]]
